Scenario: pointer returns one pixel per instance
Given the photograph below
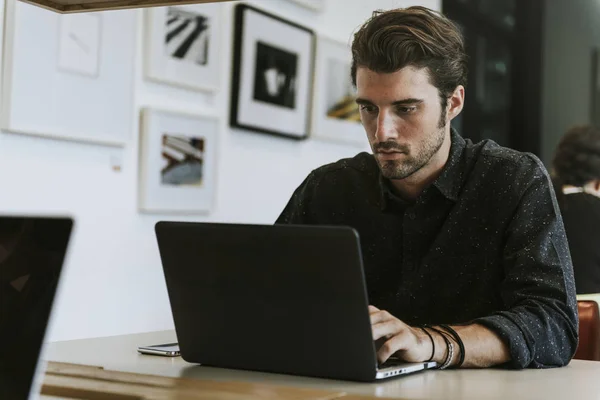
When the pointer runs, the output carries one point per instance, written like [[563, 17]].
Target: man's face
[[403, 117]]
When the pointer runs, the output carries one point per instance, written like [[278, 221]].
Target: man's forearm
[[483, 347]]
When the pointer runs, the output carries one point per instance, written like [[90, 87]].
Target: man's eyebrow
[[403, 102], [410, 101], [363, 101]]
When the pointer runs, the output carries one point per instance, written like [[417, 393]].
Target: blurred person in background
[[576, 175]]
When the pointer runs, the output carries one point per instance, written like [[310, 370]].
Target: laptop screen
[[32, 251]]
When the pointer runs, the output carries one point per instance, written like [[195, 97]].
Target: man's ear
[[456, 102]]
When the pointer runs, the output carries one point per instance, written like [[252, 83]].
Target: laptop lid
[[32, 252], [275, 298]]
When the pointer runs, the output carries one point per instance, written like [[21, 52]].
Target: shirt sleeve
[[539, 322], [298, 208]]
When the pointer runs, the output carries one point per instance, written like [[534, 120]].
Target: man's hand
[[407, 343], [483, 347]]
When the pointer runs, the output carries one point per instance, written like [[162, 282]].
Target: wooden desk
[[578, 381], [81, 382]]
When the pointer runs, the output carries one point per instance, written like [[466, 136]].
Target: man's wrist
[[441, 347]]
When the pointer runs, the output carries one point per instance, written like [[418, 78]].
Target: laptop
[[272, 298], [32, 253]]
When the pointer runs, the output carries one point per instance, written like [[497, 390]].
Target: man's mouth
[[390, 155]]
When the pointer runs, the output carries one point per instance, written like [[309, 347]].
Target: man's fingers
[[397, 343], [380, 316], [386, 328]]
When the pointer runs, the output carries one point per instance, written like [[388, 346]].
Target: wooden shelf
[[75, 6]]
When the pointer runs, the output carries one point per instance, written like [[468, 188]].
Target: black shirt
[[581, 214], [484, 243]]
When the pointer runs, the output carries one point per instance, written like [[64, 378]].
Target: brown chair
[[589, 331]]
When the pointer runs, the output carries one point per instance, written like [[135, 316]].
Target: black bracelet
[[432, 343], [458, 340], [449, 346], [450, 350]]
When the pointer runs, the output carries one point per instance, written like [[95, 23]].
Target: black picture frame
[[287, 98]]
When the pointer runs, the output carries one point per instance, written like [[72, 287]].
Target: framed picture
[[335, 114], [316, 5], [177, 162], [272, 74], [70, 78], [595, 101], [182, 45]]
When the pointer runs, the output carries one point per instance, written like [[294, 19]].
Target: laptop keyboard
[[390, 362]]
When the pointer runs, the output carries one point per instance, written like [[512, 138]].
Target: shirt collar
[[448, 183], [451, 179], [387, 195]]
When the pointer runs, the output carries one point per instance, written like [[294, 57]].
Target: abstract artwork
[[187, 36], [182, 45], [177, 162], [315, 5], [272, 74], [79, 43], [335, 114], [340, 93]]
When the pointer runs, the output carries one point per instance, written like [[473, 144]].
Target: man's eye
[[369, 109], [407, 110]]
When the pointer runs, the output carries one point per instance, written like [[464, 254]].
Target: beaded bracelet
[[461, 345], [449, 346]]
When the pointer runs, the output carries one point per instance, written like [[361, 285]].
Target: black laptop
[[32, 252], [272, 298]]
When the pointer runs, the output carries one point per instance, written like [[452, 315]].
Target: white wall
[[113, 282], [571, 29]]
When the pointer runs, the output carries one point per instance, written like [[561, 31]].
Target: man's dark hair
[[577, 157], [414, 36]]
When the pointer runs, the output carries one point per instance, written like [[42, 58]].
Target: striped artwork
[[187, 36], [183, 160]]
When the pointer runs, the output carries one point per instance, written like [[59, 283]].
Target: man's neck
[[592, 187], [411, 188]]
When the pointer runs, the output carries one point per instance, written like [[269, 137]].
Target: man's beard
[[409, 164]]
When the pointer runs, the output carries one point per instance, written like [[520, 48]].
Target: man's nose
[[386, 128]]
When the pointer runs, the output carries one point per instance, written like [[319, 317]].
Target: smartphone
[[166, 350]]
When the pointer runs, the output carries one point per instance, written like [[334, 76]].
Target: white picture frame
[[272, 74], [335, 115], [178, 162], [315, 5], [182, 46], [42, 98]]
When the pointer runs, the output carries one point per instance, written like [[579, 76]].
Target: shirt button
[[411, 215]]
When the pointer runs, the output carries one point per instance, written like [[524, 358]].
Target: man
[[457, 234]]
